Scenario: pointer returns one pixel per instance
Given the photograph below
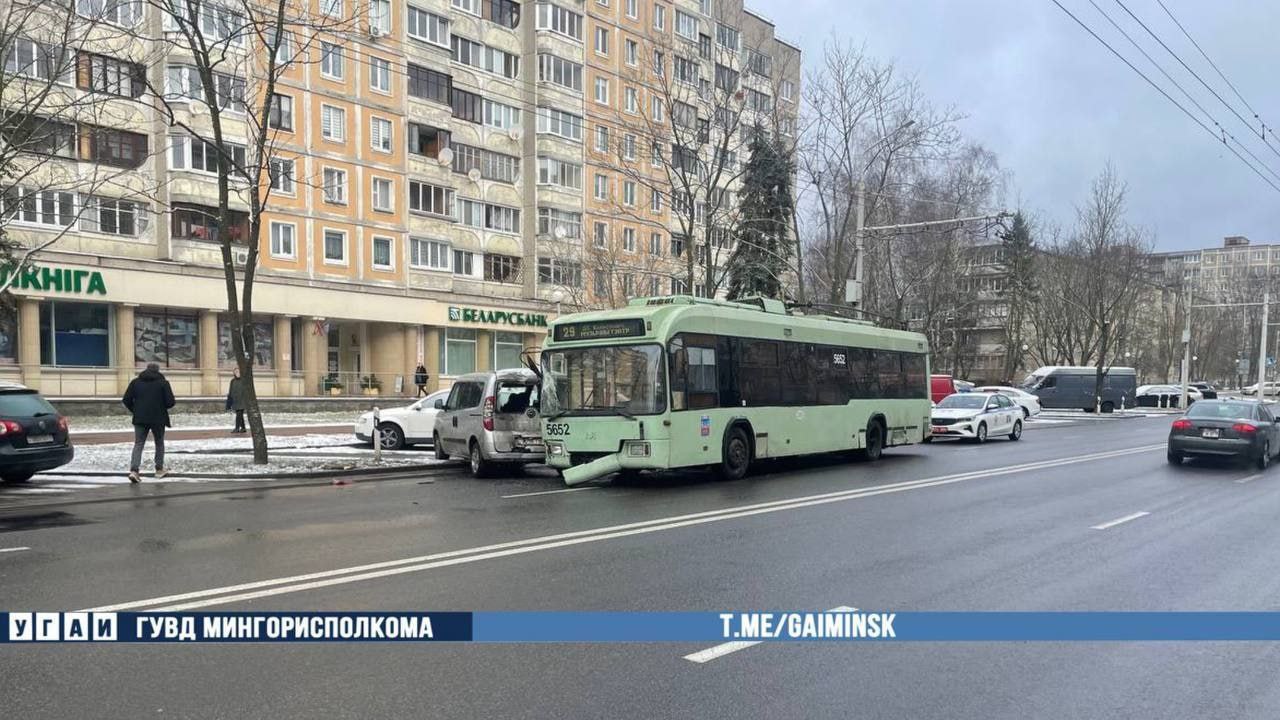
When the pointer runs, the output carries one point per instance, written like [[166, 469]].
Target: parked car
[[33, 436], [976, 416], [408, 425], [941, 386], [491, 418], [1075, 386], [1207, 391], [963, 386], [1242, 429], [1166, 395], [1029, 403], [1272, 389]]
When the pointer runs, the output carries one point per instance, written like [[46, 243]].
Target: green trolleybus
[[681, 382]]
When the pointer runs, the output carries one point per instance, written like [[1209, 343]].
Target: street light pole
[[1186, 357], [1262, 347], [858, 269]]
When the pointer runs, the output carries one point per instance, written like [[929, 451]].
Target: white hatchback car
[[408, 425], [1029, 403], [976, 416]]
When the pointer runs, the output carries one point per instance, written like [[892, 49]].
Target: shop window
[[458, 352], [507, 347], [263, 344], [167, 338], [8, 334], [75, 334], [295, 344]]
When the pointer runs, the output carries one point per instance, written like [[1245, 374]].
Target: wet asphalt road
[[1010, 539]]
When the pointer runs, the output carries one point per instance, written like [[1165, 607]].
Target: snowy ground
[[215, 421], [231, 456]]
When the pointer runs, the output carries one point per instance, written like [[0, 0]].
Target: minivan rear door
[[517, 426]]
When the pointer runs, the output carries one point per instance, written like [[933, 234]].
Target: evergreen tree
[[1019, 265], [762, 249]]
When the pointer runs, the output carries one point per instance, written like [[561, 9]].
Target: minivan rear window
[[515, 398], [24, 405]]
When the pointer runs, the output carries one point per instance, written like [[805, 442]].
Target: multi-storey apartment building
[[1216, 271], [439, 188]]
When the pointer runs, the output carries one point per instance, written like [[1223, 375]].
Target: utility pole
[[853, 293], [1262, 348], [1186, 354]]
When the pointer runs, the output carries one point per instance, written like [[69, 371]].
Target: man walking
[[149, 398]]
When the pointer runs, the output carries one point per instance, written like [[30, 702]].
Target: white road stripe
[[1117, 521], [13, 549], [71, 486], [1249, 479], [719, 651], [31, 491], [551, 492], [326, 578]]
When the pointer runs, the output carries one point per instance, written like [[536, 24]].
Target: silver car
[[491, 418]]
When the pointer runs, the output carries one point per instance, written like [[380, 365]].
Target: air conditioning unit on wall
[[239, 258]]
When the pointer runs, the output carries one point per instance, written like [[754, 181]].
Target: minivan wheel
[[439, 449], [479, 466], [1108, 407]]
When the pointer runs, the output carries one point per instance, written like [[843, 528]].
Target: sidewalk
[[101, 437]]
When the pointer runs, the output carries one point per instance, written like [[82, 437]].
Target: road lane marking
[[1249, 479], [32, 491], [550, 492], [1118, 521], [325, 578], [72, 486], [719, 651], [13, 549]]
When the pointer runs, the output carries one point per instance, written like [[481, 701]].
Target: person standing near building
[[235, 400], [420, 377], [149, 399]]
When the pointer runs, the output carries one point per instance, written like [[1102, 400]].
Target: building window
[[659, 17], [561, 123], [335, 247], [188, 153], [787, 90], [659, 64], [383, 195], [655, 246], [600, 234], [559, 20], [686, 25], [427, 27], [333, 123], [468, 106], [759, 63], [560, 224], [602, 138], [628, 285], [677, 246], [165, 337], [632, 52], [552, 171], [488, 216], [280, 112], [380, 134], [30, 59], [601, 187], [508, 347], [686, 70], [283, 236], [501, 116], [430, 199], [553, 271], [602, 90], [281, 170], [430, 85], [40, 136], [458, 351], [470, 6], [489, 59], [124, 13], [727, 37], [628, 193], [75, 334], [380, 16], [332, 8], [384, 253], [501, 268], [201, 223], [492, 165], [427, 141], [632, 100], [629, 146], [263, 344], [335, 186], [559, 71], [600, 283], [380, 74], [284, 48], [99, 73], [629, 239], [655, 201], [602, 41], [463, 262], [331, 61], [429, 254], [118, 148]]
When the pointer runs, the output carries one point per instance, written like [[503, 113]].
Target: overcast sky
[[1056, 105]]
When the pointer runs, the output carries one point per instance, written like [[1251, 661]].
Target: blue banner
[[610, 627]]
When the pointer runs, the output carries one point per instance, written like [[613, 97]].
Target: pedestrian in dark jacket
[[235, 400], [420, 379], [149, 398]]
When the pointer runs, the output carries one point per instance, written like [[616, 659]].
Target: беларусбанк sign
[[497, 317]]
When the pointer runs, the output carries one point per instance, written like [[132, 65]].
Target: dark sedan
[[1241, 429], [1207, 391], [33, 436]]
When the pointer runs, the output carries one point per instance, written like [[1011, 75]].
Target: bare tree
[[232, 57]]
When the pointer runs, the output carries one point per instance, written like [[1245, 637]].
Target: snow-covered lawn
[[213, 421]]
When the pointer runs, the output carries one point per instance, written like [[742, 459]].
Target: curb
[[237, 487], [309, 475]]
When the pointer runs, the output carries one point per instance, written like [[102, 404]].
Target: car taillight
[[62, 423], [1182, 424], [1244, 428], [487, 413], [9, 427]]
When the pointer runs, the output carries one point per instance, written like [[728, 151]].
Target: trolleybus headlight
[[638, 449], [555, 448]]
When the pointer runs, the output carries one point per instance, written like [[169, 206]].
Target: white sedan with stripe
[[976, 416]]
